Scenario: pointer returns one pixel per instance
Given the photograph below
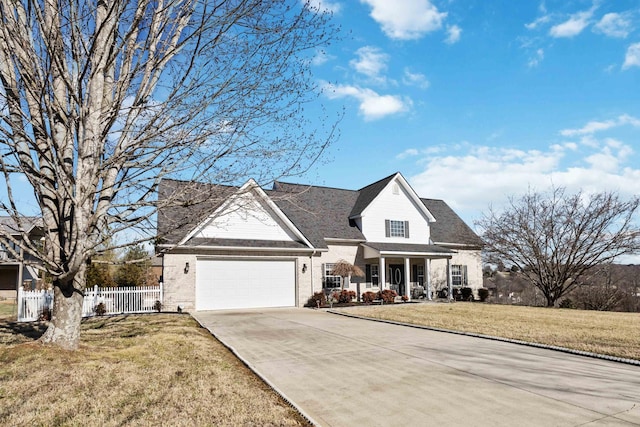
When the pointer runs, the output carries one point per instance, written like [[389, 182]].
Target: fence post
[[161, 295], [20, 302], [95, 297]]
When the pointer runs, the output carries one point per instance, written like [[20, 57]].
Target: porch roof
[[375, 249]]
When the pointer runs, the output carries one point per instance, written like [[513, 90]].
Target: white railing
[[31, 304]]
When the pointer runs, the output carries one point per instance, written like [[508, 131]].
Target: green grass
[[614, 334], [132, 370]]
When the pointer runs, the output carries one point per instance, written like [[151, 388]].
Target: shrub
[[388, 295], [45, 315], [100, 309], [157, 306], [467, 294], [404, 298], [368, 297], [345, 296], [567, 303], [318, 299], [483, 294]]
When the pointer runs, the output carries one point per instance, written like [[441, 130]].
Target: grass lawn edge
[[496, 338], [280, 393]]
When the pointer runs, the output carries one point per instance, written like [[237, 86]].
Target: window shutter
[[387, 228], [464, 275], [406, 229], [367, 272]]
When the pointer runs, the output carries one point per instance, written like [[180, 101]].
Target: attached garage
[[245, 283]]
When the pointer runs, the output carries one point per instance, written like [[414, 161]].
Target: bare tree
[[555, 237], [100, 100]]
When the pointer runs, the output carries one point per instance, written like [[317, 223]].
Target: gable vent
[[395, 189]]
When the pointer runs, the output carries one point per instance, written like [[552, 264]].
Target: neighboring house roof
[[10, 226], [318, 213], [449, 228]]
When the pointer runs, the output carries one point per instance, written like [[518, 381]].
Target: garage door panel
[[225, 284]]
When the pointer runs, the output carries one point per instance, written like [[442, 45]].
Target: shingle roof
[[407, 247], [184, 204], [9, 225], [253, 243], [318, 212], [449, 227], [367, 194]]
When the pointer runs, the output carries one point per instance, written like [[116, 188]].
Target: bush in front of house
[[345, 296], [467, 294], [100, 309], [316, 300], [388, 295], [483, 294], [369, 297]]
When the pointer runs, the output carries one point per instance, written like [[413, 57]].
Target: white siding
[[245, 218], [398, 207], [470, 258]]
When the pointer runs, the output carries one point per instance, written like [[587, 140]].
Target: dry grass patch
[[8, 310], [614, 334], [132, 370]]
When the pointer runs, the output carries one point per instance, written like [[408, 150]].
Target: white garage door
[[223, 284]]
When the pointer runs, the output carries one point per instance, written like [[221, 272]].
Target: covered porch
[[405, 268]]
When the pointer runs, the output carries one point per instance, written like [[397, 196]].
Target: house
[[227, 247], [17, 267]]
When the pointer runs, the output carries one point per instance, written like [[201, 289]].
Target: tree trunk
[[64, 328]]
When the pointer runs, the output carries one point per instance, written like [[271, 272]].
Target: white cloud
[[323, 6], [597, 126], [371, 62], [536, 59], [488, 175], [373, 106], [614, 25], [409, 152], [574, 25], [415, 79], [539, 21], [406, 19], [632, 57], [453, 34], [321, 57]]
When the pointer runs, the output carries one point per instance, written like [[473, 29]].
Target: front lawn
[[615, 334], [132, 370]]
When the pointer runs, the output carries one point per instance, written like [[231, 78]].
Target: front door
[[396, 277]]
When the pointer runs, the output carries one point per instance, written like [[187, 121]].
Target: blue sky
[[474, 100]]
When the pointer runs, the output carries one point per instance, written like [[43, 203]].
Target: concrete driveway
[[349, 372]]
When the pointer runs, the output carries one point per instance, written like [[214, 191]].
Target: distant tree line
[[605, 287], [131, 269]]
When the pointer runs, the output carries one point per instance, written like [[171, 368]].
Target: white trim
[[338, 240], [251, 248]]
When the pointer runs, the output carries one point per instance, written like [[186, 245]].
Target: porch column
[[382, 273], [427, 278], [449, 281], [407, 278]]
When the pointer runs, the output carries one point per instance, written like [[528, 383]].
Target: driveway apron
[[342, 371]]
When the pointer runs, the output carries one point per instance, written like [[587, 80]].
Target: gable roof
[[449, 228], [9, 225], [367, 194], [319, 213]]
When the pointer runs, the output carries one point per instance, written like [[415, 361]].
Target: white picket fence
[[123, 300]]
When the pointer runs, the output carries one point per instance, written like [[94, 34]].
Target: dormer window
[[394, 228]]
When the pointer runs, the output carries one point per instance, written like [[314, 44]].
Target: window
[[372, 275], [459, 275], [418, 274], [394, 228], [331, 281]]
